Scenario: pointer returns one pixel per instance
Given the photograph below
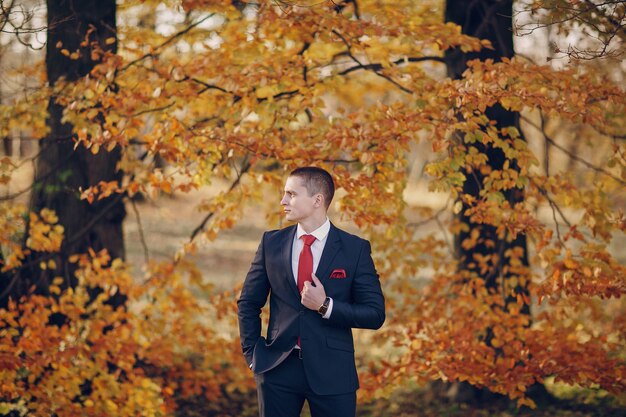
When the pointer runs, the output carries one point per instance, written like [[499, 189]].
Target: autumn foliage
[[244, 94]]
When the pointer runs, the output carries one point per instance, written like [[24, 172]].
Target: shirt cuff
[[330, 309]]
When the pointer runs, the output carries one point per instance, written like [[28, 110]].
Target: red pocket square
[[338, 273]]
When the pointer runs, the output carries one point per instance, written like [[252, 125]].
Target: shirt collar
[[320, 233]]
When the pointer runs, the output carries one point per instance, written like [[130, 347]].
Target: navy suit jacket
[[327, 344]]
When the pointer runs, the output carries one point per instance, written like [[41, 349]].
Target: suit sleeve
[[256, 288], [367, 307]]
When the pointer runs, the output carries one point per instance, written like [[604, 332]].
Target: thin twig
[[146, 253], [244, 169], [555, 208], [36, 181], [167, 42], [146, 111], [445, 234], [429, 219], [572, 155]]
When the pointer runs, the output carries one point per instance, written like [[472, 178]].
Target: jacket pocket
[[339, 344]]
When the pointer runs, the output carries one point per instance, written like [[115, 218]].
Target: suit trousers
[[283, 390]]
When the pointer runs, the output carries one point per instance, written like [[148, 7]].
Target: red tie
[[305, 264]]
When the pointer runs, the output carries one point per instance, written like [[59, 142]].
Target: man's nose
[[283, 201]]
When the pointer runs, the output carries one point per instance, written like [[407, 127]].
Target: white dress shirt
[[321, 234]]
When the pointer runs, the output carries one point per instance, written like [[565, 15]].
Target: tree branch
[[555, 207], [166, 42], [36, 181], [570, 154], [146, 253], [429, 219], [377, 66], [244, 169]]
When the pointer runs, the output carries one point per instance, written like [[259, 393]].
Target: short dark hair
[[316, 180]]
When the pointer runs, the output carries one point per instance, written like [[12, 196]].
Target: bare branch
[[570, 154], [54, 170], [555, 208], [146, 253], [244, 169], [17, 20], [605, 20], [167, 42], [156, 109], [429, 219], [378, 67]]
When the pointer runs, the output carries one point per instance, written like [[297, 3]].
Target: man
[[308, 353]]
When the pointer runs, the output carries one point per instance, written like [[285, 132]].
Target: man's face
[[296, 202]]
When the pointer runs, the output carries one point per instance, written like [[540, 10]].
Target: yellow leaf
[[570, 263], [458, 206], [110, 405]]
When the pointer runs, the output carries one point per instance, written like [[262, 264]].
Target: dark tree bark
[[62, 170], [485, 19], [492, 20]]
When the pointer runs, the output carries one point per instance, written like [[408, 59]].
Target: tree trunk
[[62, 170], [492, 20]]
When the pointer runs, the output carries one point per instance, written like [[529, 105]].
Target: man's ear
[[319, 200]]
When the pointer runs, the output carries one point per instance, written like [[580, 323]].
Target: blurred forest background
[[480, 145]]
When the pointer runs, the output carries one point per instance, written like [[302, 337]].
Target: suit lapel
[[287, 248], [333, 244]]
